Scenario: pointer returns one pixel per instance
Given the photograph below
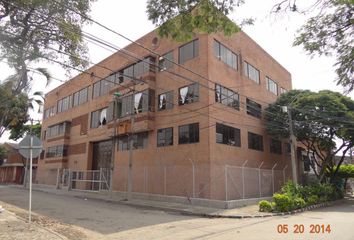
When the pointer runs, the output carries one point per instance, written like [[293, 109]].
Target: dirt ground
[[14, 225]]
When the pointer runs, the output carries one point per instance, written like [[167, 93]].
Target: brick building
[[198, 125], [12, 169]]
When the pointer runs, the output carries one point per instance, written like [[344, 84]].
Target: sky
[[273, 32]]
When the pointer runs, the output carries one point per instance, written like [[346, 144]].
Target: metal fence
[[245, 182], [84, 180], [224, 182]]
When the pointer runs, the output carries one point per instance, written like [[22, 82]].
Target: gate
[[87, 180]]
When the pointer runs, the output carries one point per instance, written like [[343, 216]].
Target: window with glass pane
[[255, 141], [96, 89], [272, 86], [188, 133], [275, 146], [225, 54], [283, 90], [76, 99], [83, 96], [228, 135], [254, 109], [140, 141], [165, 101], [189, 94], [99, 118], [188, 51], [251, 72], [166, 61], [227, 97], [165, 137]]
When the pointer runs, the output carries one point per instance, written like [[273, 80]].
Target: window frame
[[193, 137], [271, 84], [247, 66], [164, 132], [228, 131], [252, 137], [195, 47]]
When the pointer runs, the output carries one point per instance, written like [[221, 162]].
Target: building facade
[[194, 112], [12, 168]]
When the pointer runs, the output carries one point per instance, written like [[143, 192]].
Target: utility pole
[[114, 142], [131, 139], [293, 143]]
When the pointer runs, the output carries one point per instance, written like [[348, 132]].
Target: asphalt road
[[103, 220]]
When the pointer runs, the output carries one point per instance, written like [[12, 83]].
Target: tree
[[346, 172], [13, 108], [20, 131], [3, 153], [329, 32], [37, 30], [319, 120], [180, 19]]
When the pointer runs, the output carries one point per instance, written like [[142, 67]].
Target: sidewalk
[[13, 227], [186, 209]]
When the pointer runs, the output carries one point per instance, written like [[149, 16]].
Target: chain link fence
[[192, 181]]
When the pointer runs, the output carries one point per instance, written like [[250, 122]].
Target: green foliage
[[32, 31], [181, 19], [346, 171], [320, 118], [21, 130], [312, 200], [283, 202], [331, 32], [299, 203], [294, 196], [13, 108], [3, 153], [265, 206]]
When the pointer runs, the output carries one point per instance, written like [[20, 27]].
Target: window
[[140, 141], [166, 61], [137, 69], [251, 72], [165, 137], [255, 141], [165, 101], [49, 112], [225, 55], [189, 94], [64, 104], [80, 97], [272, 86], [283, 90], [227, 97], [137, 103], [58, 129], [99, 118], [254, 109], [188, 133], [188, 51], [228, 135], [57, 151], [275, 146]]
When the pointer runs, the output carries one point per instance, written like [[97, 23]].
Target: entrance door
[[102, 155]]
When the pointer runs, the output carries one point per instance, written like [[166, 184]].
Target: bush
[[312, 199], [265, 206], [283, 202], [299, 203], [291, 189]]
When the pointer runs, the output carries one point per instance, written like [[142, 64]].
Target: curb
[[205, 215], [320, 205]]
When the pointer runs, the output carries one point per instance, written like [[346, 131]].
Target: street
[[77, 218]]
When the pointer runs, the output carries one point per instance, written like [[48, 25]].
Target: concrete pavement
[[77, 218]]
